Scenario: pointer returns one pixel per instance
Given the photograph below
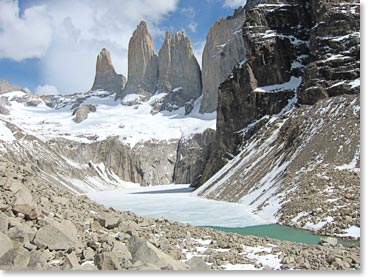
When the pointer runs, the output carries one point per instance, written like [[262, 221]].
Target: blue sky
[[50, 46]]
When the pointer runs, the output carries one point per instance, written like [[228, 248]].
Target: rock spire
[[106, 77], [142, 63]]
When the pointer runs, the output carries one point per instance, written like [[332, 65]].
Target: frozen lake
[[178, 204]]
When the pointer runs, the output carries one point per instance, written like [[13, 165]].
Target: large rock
[[106, 77], [24, 203], [4, 222], [71, 262], [82, 112], [6, 244], [328, 241], [145, 252], [21, 233], [15, 259], [119, 257], [223, 49], [179, 71], [197, 264], [142, 63], [108, 220], [56, 235]]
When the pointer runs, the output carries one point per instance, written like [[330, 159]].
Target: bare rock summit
[[142, 63], [106, 77], [179, 71]]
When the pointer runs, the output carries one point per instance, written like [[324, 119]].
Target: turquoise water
[[280, 232]]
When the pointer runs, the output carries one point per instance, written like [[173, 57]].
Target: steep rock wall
[[223, 49]]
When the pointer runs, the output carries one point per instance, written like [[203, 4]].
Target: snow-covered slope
[[104, 151], [132, 124], [301, 168]]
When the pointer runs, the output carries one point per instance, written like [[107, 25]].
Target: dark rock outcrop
[[106, 77], [266, 82], [192, 155], [334, 67]]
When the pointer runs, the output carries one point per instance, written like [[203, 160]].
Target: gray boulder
[[328, 241], [108, 220], [15, 259], [56, 236], [145, 252], [71, 262], [197, 264], [6, 244], [4, 222], [139, 265], [82, 112], [25, 204], [107, 261], [21, 233]]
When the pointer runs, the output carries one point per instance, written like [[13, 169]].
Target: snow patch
[[5, 133], [352, 231], [293, 84]]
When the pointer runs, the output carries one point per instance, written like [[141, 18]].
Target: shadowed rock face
[[334, 51], [106, 77], [178, 68], [142, 63], [223, 49], [268, 35]]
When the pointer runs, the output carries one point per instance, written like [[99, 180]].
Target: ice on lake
[[177, 203]]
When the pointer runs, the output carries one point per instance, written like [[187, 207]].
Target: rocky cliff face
[[293, 158], [334, 67], [149, 163], [179, 71], [106, 77], [267, 81], [192, 156], [223, 49], [142, 63]]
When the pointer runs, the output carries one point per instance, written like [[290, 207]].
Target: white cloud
[[188, 12], [234, 4], [47, 90], [23, 36], [68, 35], [192, 27]]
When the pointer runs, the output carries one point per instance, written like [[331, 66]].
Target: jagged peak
[[104, 51], [143, 25]]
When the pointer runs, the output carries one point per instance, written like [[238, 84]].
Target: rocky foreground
[[45, 227]]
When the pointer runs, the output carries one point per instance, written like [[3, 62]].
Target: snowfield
[[132, 124]]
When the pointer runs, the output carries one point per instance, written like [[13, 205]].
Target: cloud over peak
[[23, 36]]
